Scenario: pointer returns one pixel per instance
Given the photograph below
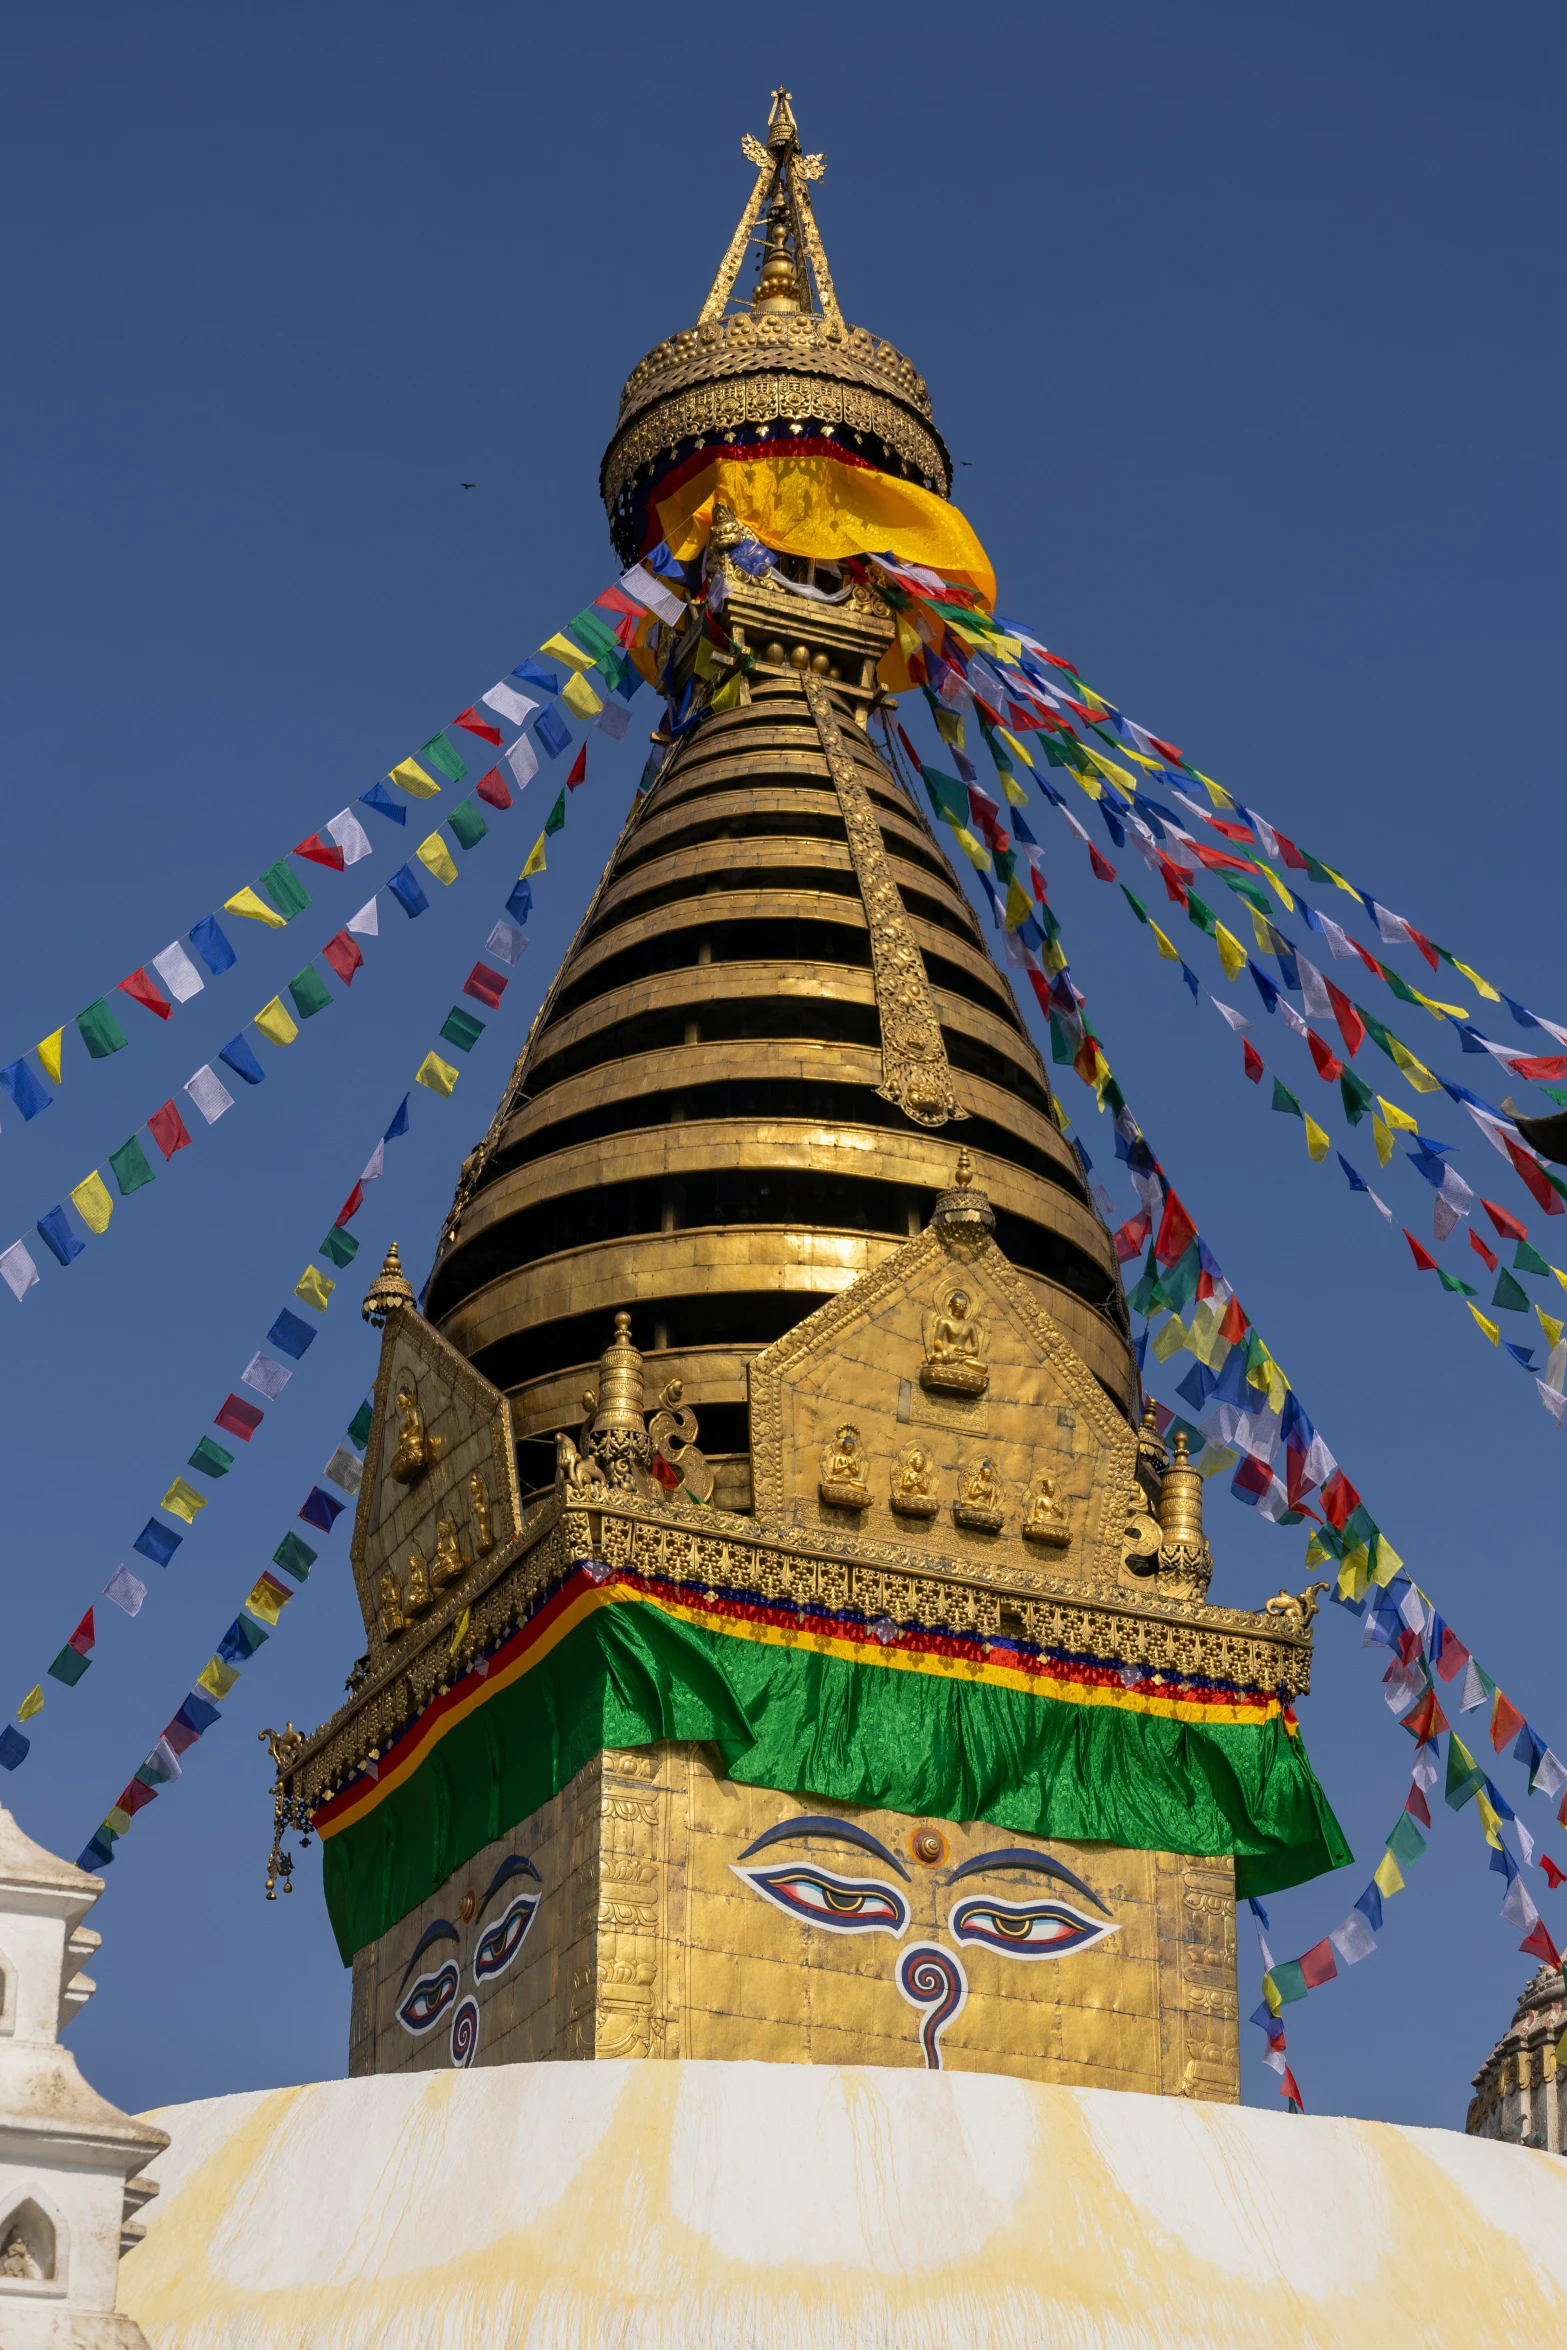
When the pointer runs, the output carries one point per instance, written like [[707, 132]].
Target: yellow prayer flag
[[32, 1703], [1490, 1818], [409, 776], [93, 1203], [726, 698], [1383, 1139], [1339, 882], [1388, 1561], [1013, 789], [1113, 774], [434, 855], [275, 1020], [1089, 695], [1277, 887], [1154, 766], [1491, 1329], [1019, 904], [1231, 953], [1264, 930], [1397, 1117], [1440, 1011], [977, 856], [1170, 1340], [561, 648], [1216, 1460], [437, 1074], [1012, 743], [218, 1678], [1054, 960], [183, 1501], [535, 862], [1475, 980], [253, 909], [1215, 791], [1278, 1387], [1389, 1877], [314, 1289], [49, 1054], [1316, 1141], [1170, 953], [579, 697], [1352, 1574], [1090, 783], [1549, 1324], [460, 1631], [268, 1600]]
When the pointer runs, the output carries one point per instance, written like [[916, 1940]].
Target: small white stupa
[[69, 2161]]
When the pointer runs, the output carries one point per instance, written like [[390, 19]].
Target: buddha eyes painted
[[844, 1905], [429, 1999], [499, 1944], [423, 1999], [1025, 1929]]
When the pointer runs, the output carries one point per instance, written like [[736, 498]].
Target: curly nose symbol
[[933, 1980]]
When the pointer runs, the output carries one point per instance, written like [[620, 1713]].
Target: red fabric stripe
[[140, 987]]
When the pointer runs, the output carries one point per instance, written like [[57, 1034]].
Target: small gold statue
[[1045, 1520], [955, 1341], [448, 1564], [483, 1522], [416, 1450], [393, 1622], [418, 1595], [914, 1483], [979, 1502], [845, 1479]]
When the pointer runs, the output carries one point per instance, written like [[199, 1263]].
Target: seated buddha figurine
[[418, 1595], [393, 1622], [448, 1564], [1045, 1520], [954, 1348], [914, 1483], [979, 1499], [845, 1480], [416, 1450]]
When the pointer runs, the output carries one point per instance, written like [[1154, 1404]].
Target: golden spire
[[783, 174], [389, 1289]]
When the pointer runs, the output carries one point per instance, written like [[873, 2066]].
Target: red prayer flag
[[666, 1473], [1561, 1813], [241, 1419], [1425, 1722], [180, 1735], [1541, 1068], [616, 600], [1041, 987], [320, 852], [1164, 749], [493, 789], [1220, 860], [351, 1206], [1423, 1257], [1253, 1060], [1340, 1500], [1176, 1231], [1176, 882], [1235, 1325], [579, 769], [1232, 830], [342, 952], [1423, 943], [1253, 1476], [1377, 970], [1507, 1225], [141, 987], [1290, 2088], [168, 1130], [135, 1796], [1318, 1966], [485, 986], [1416, 1805], [1288, 851], [1130, 1238], [1506, 1721], [1454, 1656], [473, 722], [1351, 1027], [1553, 1875], [83, 1637], [1478, 1245], [1328, 1063], [1533, 1176], [1101, 865], [1539, 1943]]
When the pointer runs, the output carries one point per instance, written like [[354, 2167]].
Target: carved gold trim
[[720, 407], [914, 1069]]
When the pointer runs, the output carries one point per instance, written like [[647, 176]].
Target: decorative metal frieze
[[746, 343], [915, 1071]]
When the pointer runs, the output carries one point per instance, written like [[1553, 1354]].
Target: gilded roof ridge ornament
[[783, 174], [389, 1289]]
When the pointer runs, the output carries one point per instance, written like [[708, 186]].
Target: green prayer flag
[[69, 1667], [211, 1459], [593, 633], [1062, 1050], [1179, 1281], [1250, 892], [1006, 864], [1136, 904], [130, 1166], [296, 1558], [359, 1426], [1452, 1282], [1358, 1096], [1377, 1033], [466, 825], [1197, 912], [1511, 1296], [1399, 987], [1143, 1297], [555, 821], [309, 991], [284, 887], [1464, 1774], [438, 753], [1529, 1260], [1406, 1842], [100, 1031], [947, 795], [1316, 871], [462, 1029], [1289, 1980], [1283, 1099], [339, 1247]]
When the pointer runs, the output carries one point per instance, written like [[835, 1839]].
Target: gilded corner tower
[[786, 1634]]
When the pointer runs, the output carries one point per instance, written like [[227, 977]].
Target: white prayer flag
[[1444, 1216], [1391, 928], [614, 719], [1550, 1776], [178, 973], [375, 1165], [1292, 1019], [1353, 1940], [345, 1468], [651, 593], [1313, 990], [1340, 946], [266, 1377], [523, 760], [1525, 1841], [1237, 1020], [350, 835], [506, 942], [17, 1270], [1426, 1770], [1380, 1204], [1554, 1401], [1518, 1908], [509, 703], [126, 1590], [366, 923], [164, 1763], [209, 1093], [1474, 1691]]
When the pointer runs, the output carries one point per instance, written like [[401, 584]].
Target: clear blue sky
[[1247, 326]]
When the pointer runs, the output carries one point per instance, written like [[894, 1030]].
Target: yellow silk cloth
[[823, 507]]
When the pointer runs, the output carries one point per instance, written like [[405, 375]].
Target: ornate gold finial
[[1183, 1549], [388, 1289], [617, 1432], [965, 1168], [782, 189]]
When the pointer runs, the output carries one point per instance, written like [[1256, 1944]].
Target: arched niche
[[32, 2246]]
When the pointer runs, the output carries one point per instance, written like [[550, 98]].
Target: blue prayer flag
[[58, 1237], [321, 1510], [1370, 1906], [1522, 1355], [530, 673], [290, 1335], [29, 1095], [211, 945], [551, 730], [97, 1853], [381, 800], [1521, 1013], [1190, 977], [237, 1055], [663, 564], [14, 1747], [399, 1125], [407, 892], [1265, 987], [520, 904], [1355, 1181], [157, 1542], [241, 1641], [197, 1715]]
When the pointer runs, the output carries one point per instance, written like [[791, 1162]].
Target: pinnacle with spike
[[389, 1289]]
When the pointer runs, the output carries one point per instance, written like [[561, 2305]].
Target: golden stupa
[[783, 1625]]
